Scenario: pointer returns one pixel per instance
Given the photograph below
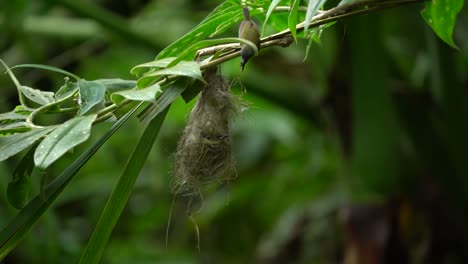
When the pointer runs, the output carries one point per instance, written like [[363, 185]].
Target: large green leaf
[[66, 90], [227, 11], [13, 128], [17, 228], [115, 85], [441, 15], [165, 99], [12, 144], [37, 96], [147, 94], [91, 94], [11, 116], [62, 139], [119, 197], [183, 68], [238, 16], [187, 55], [162, 63]]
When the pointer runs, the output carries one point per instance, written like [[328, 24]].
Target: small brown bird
[[248, 30]]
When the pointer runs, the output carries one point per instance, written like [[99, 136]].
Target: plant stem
[[30, 119]]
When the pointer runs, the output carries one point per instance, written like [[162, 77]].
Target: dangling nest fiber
[[204, 152]]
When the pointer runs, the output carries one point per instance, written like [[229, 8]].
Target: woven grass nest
[[204, 150]]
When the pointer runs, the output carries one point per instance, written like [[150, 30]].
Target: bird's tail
[[246, 14]]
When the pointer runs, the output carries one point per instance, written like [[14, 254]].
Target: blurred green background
[[355, 154]]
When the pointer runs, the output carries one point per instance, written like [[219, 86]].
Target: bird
[[248, 30]]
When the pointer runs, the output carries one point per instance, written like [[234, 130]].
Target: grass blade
[[119, 197], [11, 145], [272, 7], [224, 12], [292, 19], [165, 99], [48, 68]]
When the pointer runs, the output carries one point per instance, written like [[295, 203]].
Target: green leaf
[[49, 68], [147, 94], [226, 11], [12, 128], [192, 91], [12, 144], [18, 188], [91, 94], [312, 9], [62, 139], [188, 54], [272, 7], [162, 63], [11, 116], [115, 85], [441, 16], [18, 227], [238, 16], [119, 197], [37, 96], [292, 19], [184, 68], [66, 90], [165, 99]]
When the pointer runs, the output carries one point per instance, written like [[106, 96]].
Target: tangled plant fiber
[[204, 153]]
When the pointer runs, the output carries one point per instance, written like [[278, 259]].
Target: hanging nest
[[204, 152]]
